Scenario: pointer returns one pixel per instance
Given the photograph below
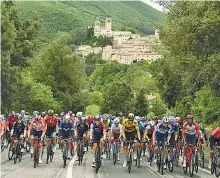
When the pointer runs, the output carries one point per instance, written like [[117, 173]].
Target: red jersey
[[50, 121], [38, 126], [190, 129], [89, 120], [10, 122], [216, 133]]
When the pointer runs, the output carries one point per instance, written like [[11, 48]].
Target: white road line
[[70, 168]]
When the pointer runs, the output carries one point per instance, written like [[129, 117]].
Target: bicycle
[[10, 150], [17, 150], [176, 155], [144, 149], [2, 143], [49, 149], [108, 149], [80, 150], [97, 157], [160, 159], [190, 159], [36, 151], [138, 160], [115, 150], [215, 162], [27, 146], [151, 154], [130, 154], [171, 158], [196, 164], [202, 157], [65, 151]]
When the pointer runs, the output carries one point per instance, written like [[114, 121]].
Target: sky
[[152, 4]]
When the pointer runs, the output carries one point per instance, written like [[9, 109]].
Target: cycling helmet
[[178, 119], [190, 116], [165, 119], [35, 113], [19, 117], [62, 114], [97, 117], [23, 112], [116, 120], [79, 114], [171, 119], [130, 116], [67, 118], [56, 115], [50, 112], [137, 118], [201, 126], [42, 114], [155, 118], [120, 114], [83, 118], [105, 116]]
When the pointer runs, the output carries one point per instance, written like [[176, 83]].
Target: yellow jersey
[[130, 127]]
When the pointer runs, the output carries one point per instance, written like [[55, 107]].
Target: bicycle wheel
[[10, 152], [98, 158], [129, 163], [185, 169], [64, 154], [2, 144], [212, 166], [170, 166], [36, 156], [217, 167], [158, 162], [196, 164], [138, 157], [48, 154], [162, 164], [191, 166], [79, 154], [176, 159], [151, 157], [202, 160], [108, 151], [114, 154], [15, 153], [28, 146]]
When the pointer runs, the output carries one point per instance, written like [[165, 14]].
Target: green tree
[[141, 104], [158, 107]]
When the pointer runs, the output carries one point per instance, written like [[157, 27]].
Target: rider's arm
[[30, 128], [91, 131], [184, 132], [154, 136], [57, 127], [43, 129], [25, 130], [104, 131], [75, 130]]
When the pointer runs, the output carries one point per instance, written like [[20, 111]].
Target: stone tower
[[108, 23], [97, 24]]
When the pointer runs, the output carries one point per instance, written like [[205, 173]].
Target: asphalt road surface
[[25, 169]]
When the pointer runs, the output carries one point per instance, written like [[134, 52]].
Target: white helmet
[[79, 114], [2, 117], [171, 119], [165, 119], [67, 117], [137, 118], [116, 120], [83, 118]]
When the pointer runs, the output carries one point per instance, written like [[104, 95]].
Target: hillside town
[[126, 48]]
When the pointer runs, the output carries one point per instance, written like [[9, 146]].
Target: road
[[25, 169]]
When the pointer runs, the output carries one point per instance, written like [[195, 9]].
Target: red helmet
[[190, 116]]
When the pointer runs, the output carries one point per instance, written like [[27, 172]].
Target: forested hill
[[68, 16]]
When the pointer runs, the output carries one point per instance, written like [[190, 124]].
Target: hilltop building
[[126, 48]]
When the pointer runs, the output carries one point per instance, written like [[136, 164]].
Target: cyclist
[[2, 126], [155, 120], [214, 139], [203, 135], [10, 121], [173, 134], [148, 136], [121, 117], [189, 131], [180, 125], [129, 130], [142, 130], [81, 132], [160, 135], [66, 128], [115, 133], [52, 129], [97, 131], [19, 130], [89, 120], [37, 129]]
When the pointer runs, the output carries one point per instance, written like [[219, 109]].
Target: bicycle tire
[[10, 150], [129, 162], [162, 165], [212, 167], [64, 155], [36, 156], [217, 168], [138, 157], [170, 166], [185, 169], [48, 155], [158, 164], [176, 159], [2, 144], [98, 158], [203, 161], [151, 157], [28, 146], [196, 164], [15, 153], [79, 154], [191, 166], [114, 154]]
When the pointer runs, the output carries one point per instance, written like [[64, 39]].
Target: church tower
[[108, 24], [97, 24]]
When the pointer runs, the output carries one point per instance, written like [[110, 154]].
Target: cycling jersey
[[2, 127], [10, 122], [141, 126], [174, 129], [190, 130], [107, 125], [149, 130], [130, 127], [89, 120], [216, 133], [161, 133], [98, 131], [50, 121], [37, 126], [82, 127], [116, 130], [66, 129]]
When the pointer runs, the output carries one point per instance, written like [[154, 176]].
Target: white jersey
[[116, 130]]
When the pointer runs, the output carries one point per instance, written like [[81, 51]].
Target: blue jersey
[[141, 126], [175, 128], [161, 130], [66, 129]]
